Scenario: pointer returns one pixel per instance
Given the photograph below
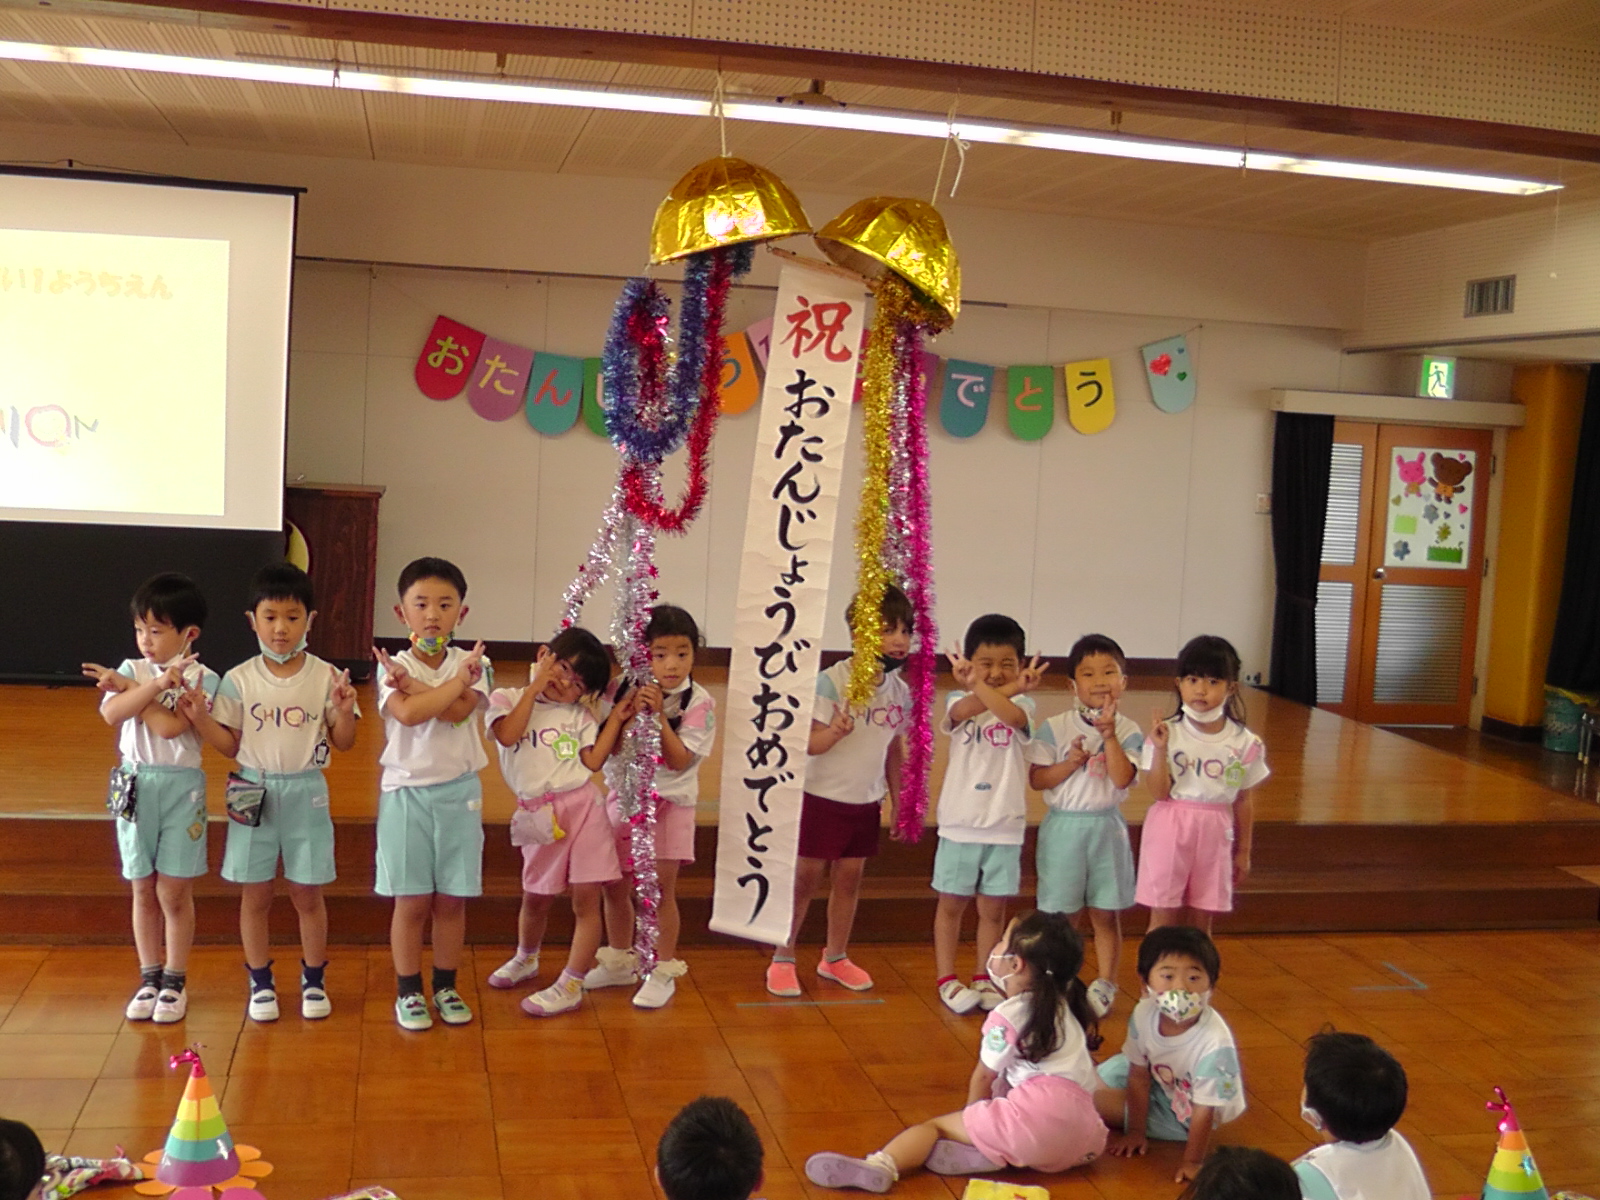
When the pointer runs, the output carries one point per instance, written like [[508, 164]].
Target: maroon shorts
[[832, 830]]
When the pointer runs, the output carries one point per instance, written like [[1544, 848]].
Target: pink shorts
[[674, 832], [588, 854], [1046, 1123], [1186, 856]]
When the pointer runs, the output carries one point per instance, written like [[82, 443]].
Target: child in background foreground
[[852, 762], [277, 714], [1178, 1040], [430, 803], [688, 719], [1354, 1094], [1030, 1102], [1201, 764], [1083, 762], [163, 846], [709, 1151], [983, 805], [1242, 1173], [550, 745]]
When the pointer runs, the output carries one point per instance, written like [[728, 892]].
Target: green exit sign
[[1437, 378]]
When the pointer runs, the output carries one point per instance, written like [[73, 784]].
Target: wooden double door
[[1402, 569]]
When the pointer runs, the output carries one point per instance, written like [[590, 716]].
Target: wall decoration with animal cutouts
[[1432, 498]]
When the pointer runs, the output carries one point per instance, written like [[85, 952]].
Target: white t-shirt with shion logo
[[137, 742], [1210, 768], [984, 799], [435, 751], [545, 759], [852, 772], [283, 724], [1089, 788]]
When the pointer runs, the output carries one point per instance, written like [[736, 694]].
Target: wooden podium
[[340, 525]]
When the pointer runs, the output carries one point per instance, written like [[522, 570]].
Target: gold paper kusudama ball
[[723, 202], [908, 237]]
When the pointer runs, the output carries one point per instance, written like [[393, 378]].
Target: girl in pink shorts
[[1201, 764], [550, 745], [1031, 1100]]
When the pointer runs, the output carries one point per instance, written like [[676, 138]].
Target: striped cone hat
[[199, 1150], [1513, 1175]]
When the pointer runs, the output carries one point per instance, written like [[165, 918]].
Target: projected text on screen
[[113, 372]]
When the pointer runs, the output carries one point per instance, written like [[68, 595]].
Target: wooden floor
[[571, 1107], [56, 751]]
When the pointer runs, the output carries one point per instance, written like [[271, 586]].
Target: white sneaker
[[989, 996], [411, 1012], [314, 1003], [614, 968], [143, 1005], [171, 1005], [563, 995], [514, 970], [1101, 993], [662, 982], [958, 997], [264, 1005]]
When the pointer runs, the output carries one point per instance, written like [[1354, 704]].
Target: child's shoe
[[564, 995], [171, 1006], [957, 1158], [519, 968], [263, 1005], [846, 974], [874, 1173], [1101, 993], [613, 968], [989, 996], [661, 983], [452, 1008], [411, 1012], [783, 979], [143, 1005], [958, 997], [314, 1003]]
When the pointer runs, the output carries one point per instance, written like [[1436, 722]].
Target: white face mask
[[1179, 1005], [1311, 1117], [997, 978], [1205, 716]]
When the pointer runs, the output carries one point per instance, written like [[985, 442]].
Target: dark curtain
[[1575, 649], [1302, 460]]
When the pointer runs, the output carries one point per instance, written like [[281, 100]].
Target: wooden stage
[[1358, 829]]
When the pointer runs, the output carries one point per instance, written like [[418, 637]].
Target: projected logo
[[45, 427]]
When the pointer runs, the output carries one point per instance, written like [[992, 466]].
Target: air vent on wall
[[1488, 296]]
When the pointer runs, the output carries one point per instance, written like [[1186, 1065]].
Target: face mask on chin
[[430, 645], [891, 662], [280, 659]]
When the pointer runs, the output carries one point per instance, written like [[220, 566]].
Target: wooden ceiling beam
[[705, 54]]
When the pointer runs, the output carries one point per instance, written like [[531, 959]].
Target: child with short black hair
[[277, 714], [550, 744], [1083, 763], [27, 1171], [430, 800], [1243, 1173], [163, 840], [852, 763], [709, 1151], [1178, 1040], [1354, 1095], [983, 804], [1202, 765]]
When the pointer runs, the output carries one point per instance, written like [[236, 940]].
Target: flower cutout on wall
[[1430, 514], [1402, 550]]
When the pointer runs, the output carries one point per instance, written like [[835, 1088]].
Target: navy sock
[[444, 977], [150, 976], [260, 977], [173, 981], [311, 977], [409, 985]]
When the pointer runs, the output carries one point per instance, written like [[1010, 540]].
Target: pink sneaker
[[846, 974], [957, 1158], [782, 980]]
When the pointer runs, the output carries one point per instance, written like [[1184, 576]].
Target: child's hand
[[471, 669], [1159, 729], [395, 675], [1127, 1145], [649, 698], [842, 723], [1106, 723], [1076, 754], [1241, 866], [960, 667], [1032, 675], [546, 666], [106, 679], [344, 692], [1186, 1172], [192, 702], [895, 835], [172, 677]]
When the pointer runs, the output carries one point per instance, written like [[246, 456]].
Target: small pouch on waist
[[244, 799], [122, 793], [535, 826]]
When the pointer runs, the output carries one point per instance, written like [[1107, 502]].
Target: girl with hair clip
[[1030, 1102], [1201, 764]]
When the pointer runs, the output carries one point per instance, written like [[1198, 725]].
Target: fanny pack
[[534, 823], [122, 793], [243, 800]]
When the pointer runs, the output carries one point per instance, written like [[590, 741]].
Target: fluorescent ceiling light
[[849, 117]]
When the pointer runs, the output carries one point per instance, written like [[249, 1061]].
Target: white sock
[[879, 1159]]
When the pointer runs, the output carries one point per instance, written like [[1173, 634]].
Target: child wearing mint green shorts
[[277, 714], [430, 806]]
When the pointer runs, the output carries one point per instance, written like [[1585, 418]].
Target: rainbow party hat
[[1512, 1173], [199, 1151]]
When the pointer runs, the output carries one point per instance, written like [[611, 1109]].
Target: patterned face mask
[[430, 645], [1181, 1006]]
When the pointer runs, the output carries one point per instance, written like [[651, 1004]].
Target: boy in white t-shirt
[[163, 838], [430, 805], [277, 714], [852, 762], [1083, 763], [1354, 1094], [983, 805], [1178, 1040]]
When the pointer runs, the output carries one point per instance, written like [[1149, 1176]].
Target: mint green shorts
[[1160, 1122], [1084, 860], [296, 826], [973, 868], [168, 832], [430, 839]]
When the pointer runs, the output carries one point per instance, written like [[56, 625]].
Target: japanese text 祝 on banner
[[783, 596]]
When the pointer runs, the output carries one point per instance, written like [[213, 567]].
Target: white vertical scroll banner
[[783, 596]]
